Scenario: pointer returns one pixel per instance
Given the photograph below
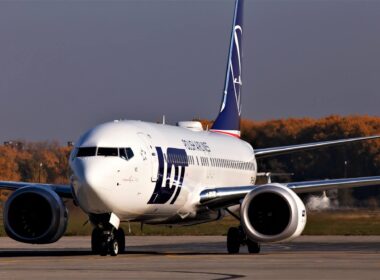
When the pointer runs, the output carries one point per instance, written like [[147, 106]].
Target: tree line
[[44, 162], [350, 160], [47, 162]]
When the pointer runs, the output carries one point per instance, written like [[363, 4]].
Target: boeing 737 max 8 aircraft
[[161, 174]]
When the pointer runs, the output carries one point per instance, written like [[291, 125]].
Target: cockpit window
[[126, 153], [108, 152], [86, 152], [129, 153]]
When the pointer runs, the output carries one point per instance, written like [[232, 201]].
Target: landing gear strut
[[236, 237], [105, 238], [107, 241]]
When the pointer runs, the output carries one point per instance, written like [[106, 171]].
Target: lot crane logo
[[176, 161]]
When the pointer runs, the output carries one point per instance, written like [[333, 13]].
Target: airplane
[[135, 171]]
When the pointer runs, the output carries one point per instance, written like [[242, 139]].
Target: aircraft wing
[[61, 190], [269, 152], [225, 197]]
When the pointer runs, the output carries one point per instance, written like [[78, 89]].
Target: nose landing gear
[[107, 241], [107, 237]]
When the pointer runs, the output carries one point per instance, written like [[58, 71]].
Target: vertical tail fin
[[228, 120]]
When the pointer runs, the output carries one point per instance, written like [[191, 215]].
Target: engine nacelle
[[35, 215], [272, 213]]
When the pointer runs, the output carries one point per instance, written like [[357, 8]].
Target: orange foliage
[[35, 162], [8, 164]]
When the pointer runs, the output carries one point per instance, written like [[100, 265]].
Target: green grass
[[343, 223]]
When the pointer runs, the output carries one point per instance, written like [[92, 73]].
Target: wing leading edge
[[269, 152], [62, 190], [225, 197]]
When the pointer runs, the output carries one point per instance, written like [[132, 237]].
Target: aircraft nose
[[91, 184], [86, 173], [92, 176]]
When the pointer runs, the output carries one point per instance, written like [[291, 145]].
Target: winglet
[[228, 120]]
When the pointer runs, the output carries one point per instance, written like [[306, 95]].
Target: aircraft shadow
[[191, 249], [43, 253], [68, 253]]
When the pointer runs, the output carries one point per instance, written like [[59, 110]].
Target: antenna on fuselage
[[163, 119], [268, 175]]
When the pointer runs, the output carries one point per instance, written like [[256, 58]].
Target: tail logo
[[228, 120], [236, 73], [234, 69]]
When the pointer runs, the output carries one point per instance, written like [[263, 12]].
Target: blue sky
[[66, 66]]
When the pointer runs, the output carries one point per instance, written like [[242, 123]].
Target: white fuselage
[[160, 181]]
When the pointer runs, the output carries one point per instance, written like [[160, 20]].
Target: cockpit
[[124, 153]]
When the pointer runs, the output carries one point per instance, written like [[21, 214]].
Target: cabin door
[[149, 154]]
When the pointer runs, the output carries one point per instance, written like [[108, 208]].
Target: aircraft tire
[[96, 240], [120, 236], [253, 247], [103, 249], [113, 247], [104, 246], [233, 240]]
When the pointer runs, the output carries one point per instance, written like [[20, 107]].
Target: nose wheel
[[236, 238], [113, 247], [108, 241]]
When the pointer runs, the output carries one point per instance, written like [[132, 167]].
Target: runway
[[192, 257]]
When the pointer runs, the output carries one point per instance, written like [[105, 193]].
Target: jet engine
[[272, 213], [35, 215]]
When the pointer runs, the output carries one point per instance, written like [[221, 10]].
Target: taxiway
[[193, 257]]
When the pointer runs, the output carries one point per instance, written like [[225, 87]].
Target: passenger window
[[86, 152], [108, 152]]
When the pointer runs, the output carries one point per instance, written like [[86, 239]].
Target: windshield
[[124, 153], [86, 152], [108, 152]]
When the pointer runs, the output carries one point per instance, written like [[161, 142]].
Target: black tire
[[96, 240], [114, 247], [253, 247], [233, 240], [120, 236], [103, 249]]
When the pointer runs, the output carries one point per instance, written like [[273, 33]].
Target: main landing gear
[[105, 238], [236, 237]]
